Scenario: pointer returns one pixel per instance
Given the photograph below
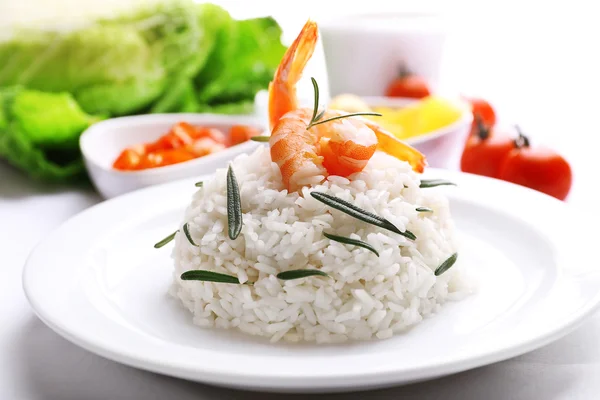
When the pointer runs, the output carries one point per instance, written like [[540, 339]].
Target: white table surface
[[535, 73]]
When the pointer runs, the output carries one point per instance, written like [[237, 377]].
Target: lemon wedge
[[424, 116], [437, 112], [402, 122]]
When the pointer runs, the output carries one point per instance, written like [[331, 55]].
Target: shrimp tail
[[390, 144], [282, 90]]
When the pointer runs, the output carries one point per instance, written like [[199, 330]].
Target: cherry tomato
[[408, 85], [537, 168], [484, 109], [485, 149], [242, 133]]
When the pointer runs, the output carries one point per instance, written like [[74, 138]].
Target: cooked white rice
[[366, 297]]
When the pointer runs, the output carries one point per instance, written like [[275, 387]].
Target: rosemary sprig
[[407, 234], [424, 209], [209, 276], [445, 266], [234, 206], [427, 183], [199, 184], [360, 214], [300, 273], [320, 115], [355, 242], [260, 138], [316, 117], [343, 116], [186, 231], [165, 240], [316, 102]]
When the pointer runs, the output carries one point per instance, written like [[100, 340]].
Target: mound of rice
[[365, 297]]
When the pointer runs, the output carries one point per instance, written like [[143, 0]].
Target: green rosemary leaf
[[354, 242], [165, 240], [316, 118], [409, 235], [300, 273], [234, 205], [320, 115], [424, 209], [260, 138], [360, 214], [344, 116], [445, 266], [208, 276], [186, 231], [427, 183], [199, 184], [316, 100]]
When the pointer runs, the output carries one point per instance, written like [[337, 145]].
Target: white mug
[[365, 52]]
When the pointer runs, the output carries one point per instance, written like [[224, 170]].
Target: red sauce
[[183, 142]]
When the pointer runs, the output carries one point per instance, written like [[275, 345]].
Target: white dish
[[435, 145], [102, 142], [98, 281], [364, 52]]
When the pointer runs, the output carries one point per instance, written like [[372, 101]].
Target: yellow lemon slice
[[402, 122], [437, 112], [423, 116]]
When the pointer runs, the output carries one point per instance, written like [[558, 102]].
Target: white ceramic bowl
[[102, 142], [364, 52], [441, 146]]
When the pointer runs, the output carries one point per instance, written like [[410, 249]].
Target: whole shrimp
[[306, 151]]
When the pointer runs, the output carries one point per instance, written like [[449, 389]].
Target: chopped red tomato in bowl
[[183, 142]]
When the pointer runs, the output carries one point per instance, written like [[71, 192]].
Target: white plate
[[98, 281]]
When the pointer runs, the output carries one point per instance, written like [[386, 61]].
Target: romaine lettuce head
[[117, 66]]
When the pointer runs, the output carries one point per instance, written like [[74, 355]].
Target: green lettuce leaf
[[115, 67], [184, 59], [145, 61], [240, 107], [51, 120], [242, 62], [180, 96], [223, 49], [39, 132]]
